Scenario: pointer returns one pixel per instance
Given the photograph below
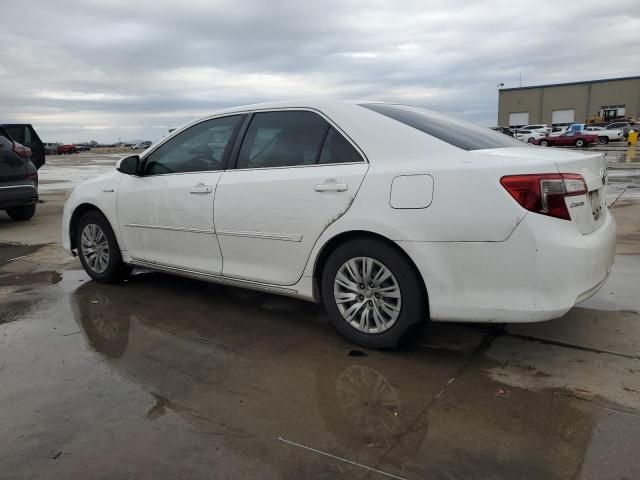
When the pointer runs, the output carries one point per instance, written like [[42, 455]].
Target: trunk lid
[[587, 211]]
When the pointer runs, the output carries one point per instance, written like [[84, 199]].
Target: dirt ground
[[164, 378]]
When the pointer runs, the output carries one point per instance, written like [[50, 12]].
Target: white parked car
[[540, 127], [605, 136], [141, 145], [557, 131], [390, 215], [528, 136]]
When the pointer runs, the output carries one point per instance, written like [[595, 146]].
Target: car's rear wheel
[[603, 140], [372, 294], [98, 249], [19, 214], [579, 143], [544, 143]]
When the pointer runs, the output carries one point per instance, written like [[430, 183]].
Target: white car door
[[295, 175], [165, 215]]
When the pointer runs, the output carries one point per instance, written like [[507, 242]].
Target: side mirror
[[129, 165]]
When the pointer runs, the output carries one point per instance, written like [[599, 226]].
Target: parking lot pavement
[[163, 377]]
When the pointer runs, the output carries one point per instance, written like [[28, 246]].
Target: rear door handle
[[332, 187], [200, 189]]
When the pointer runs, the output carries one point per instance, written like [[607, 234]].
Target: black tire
[[20, 214], [530, 140], [603, 140], [116, 270], [579, 143], [414, 306], [544, 143]]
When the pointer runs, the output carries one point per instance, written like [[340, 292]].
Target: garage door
[[563, 116], [518, 119]]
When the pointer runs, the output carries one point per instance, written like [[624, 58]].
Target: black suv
[[26, 135], [18, 178]]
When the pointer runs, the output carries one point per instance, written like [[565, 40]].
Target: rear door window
[[461, 134], [282, 139]]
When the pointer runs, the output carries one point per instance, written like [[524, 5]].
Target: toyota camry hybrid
[[389, 215]]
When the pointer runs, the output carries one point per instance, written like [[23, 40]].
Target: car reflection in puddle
[[255, 362], [249, 368]]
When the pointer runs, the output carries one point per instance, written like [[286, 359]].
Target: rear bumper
[[542, 270], [17, 196]]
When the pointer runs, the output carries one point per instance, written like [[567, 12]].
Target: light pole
[[498, 87]]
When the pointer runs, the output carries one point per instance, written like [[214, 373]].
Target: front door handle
[[201, 189], [332, 187]]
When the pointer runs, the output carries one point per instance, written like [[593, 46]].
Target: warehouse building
[[565, 103]]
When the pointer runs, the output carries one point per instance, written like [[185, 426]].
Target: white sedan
[[529, 136], [390, 215]]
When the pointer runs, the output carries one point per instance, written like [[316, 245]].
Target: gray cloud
[[105, 69]]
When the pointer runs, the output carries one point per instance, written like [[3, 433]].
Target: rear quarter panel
[[468, 203]]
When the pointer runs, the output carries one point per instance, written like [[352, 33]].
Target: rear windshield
[[458, 133]]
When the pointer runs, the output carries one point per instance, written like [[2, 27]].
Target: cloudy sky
[[130, 69]]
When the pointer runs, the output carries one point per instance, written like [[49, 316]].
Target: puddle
[[16, 279], [15, 311], [211, 375], [13, 251], [622, 155], [357, 353]]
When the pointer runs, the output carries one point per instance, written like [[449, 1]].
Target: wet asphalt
[[163, 377]]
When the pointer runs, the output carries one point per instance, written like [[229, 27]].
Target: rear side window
[[282, 139], [461, 134], [17, 133], [337, 149], [4, 133]]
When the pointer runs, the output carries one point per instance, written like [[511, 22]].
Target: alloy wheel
[[95, 248], [367, 295]]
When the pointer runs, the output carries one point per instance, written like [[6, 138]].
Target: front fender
[[100, 193]]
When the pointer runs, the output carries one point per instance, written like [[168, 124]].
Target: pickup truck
[[604, 135], [64, 149]]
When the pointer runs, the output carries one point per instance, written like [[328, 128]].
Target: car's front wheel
[[372, 293], [20, 214], [98, 249]]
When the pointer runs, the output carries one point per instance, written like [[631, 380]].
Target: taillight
[[545, 193], [21, 150]]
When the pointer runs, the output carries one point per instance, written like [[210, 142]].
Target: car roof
[[317, 104]]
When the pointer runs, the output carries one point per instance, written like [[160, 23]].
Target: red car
[[62, 149], [568, 138]]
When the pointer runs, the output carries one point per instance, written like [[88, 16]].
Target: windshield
[[458, 133]]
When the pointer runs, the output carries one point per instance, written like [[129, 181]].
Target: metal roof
[[637, 77]]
